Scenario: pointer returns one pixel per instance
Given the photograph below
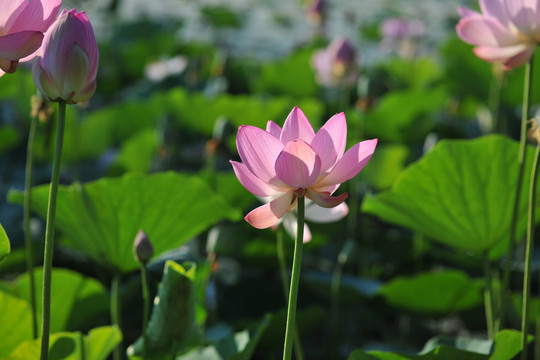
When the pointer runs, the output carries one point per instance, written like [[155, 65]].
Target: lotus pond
[[240, 179]]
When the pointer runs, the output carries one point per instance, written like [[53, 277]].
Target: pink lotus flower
[[507, 31], [294, 162], [336, 64], [67, 65], [22, 24]]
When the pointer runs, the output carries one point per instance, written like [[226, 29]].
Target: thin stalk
[[49, 232], [527, 88], [146, 305], [295, 279], [298, 351], [528, 254], [488, 298], [26, 220], [115, 310]]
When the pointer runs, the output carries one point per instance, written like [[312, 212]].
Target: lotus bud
[[142, 248], [66, 67]]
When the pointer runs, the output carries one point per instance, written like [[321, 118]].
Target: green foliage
[[238, 346], [385, 166], [76, 300], [101, 218], [16, 324], [507, 344], [97, 345], [460, 193], [9, 138], [173, 323], [5, 247], [440, 292], [405, 115], [292, 76], [138, 152]]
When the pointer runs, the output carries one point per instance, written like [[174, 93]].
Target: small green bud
[[142, 248]]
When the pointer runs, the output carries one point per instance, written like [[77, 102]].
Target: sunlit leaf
[[97, 345], [16, 323], [461, 194], [173, 322], [5, 247], [438, 292], [101, 218], [75, 299], [138, 152]]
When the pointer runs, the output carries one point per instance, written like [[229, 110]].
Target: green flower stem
[[115, 310], [521, 163], [26, 220], [488, 298], [49, 232], [298, 351], [146, 305], [528, 254], [295, 279]]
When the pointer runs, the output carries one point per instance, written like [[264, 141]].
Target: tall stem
[[49, 232], [521, 164], [298, 351], [488, 297], [115, 310], [295, 279], [146, 306], [26, 221], [528, 254]]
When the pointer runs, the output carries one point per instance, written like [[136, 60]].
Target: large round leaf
[[461, 193], [437, 292], [101, 218], [16, 323]]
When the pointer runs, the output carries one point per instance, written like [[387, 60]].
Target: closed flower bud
[[142, 248], [66, 67]]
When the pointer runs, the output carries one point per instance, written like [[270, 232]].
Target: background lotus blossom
[[294, 161], [506, 31], [67, 65], [22, 24], [337, 64]]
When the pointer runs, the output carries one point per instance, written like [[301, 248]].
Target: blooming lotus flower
[[294, 162], [398, 29], [506, 31], [67, 64], [336, 64], [314, 213], [22, 24]]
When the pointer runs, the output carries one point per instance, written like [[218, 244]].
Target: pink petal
[[270, 213], [18, 45], [520, 59], [350, 164], [298, 165], [297, 126], [485, 31], [252, 183], [330, 141], [273, 129], [502, 54], [32, 15], [323, 215], [524, 15], [325, 199], [466, 12], [290, 223], [495, 9], [259, 150]]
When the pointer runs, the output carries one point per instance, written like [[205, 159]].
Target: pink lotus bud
[[336, 64], [22, 24], [66, 67]]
